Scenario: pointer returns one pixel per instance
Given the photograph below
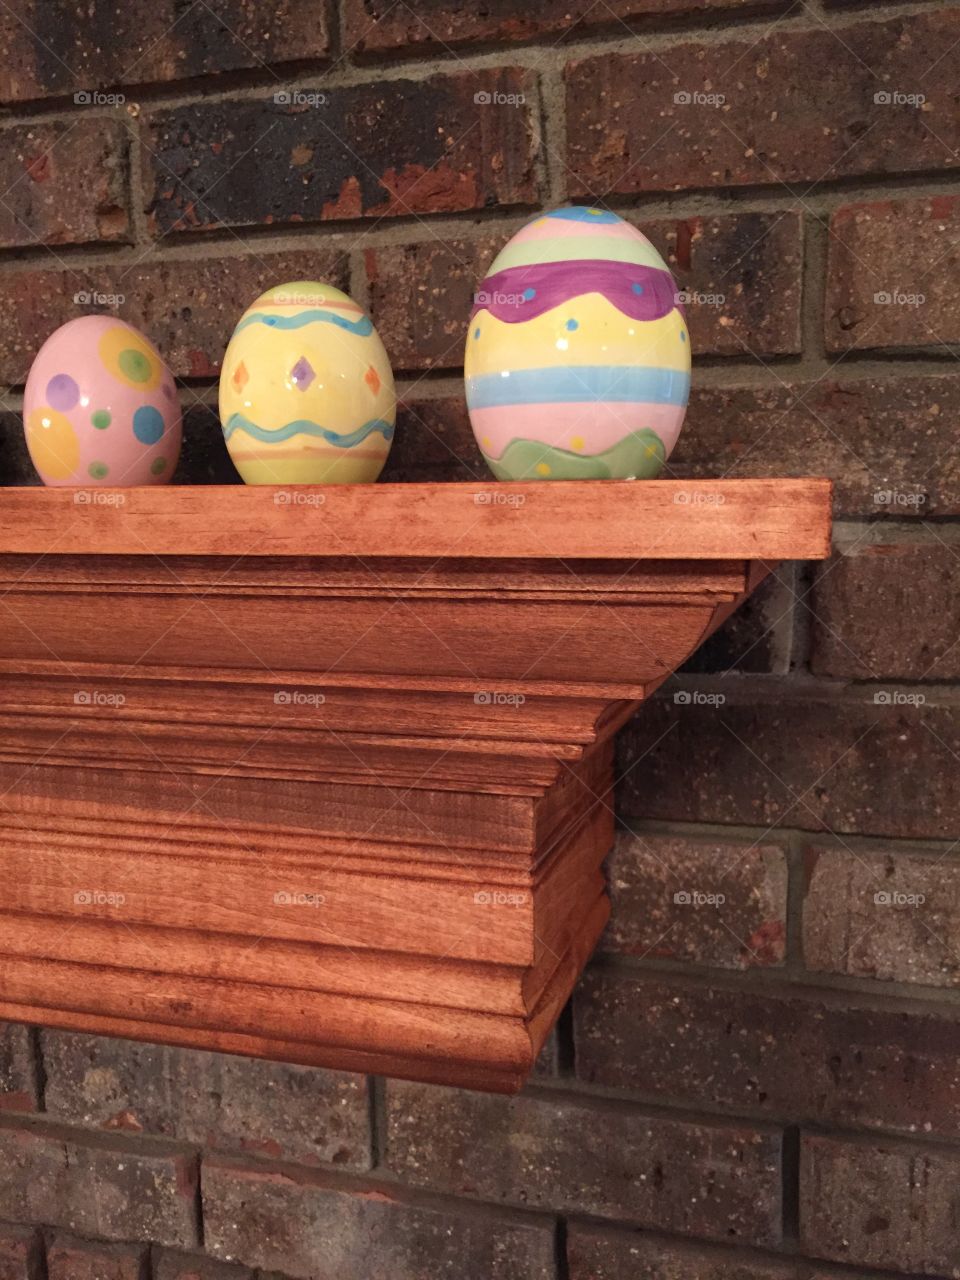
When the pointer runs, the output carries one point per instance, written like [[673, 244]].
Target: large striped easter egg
[[578, 357]]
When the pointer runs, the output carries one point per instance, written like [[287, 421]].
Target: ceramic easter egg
[[578, 357], [306, 390], [100, 407]]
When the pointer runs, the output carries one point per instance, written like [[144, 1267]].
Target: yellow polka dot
[[53, 444], [576, 442], [130, 358], [487, 441], [651, 450], [543, 469]]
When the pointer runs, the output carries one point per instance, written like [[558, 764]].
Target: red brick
[[599, 1253], [821, 761], [891, 273], [787, 1055], [871, 613], [870, 435], [54, 51], [421, 295], [599, 1159], [396, 147], [18, 1075], [308, 1230], [760, 635], [742, 277], [188, 306], [655, 883], [214, 1100], [883, 1204], [434, 441], [21, 1253], [81, 1260], [799, 107], [64, 183], [377, 25], [893, 915], [98, 1188], [169, 1264]]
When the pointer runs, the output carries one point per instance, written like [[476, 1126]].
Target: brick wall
[[763, 1088]]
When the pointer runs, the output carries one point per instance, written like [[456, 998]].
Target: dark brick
[[59, 49], [103, 1190], [204, 458], [885, 609], [598, 1253], [18, 1076], [819, 761], [211, 1099], [310, 1230], [421, 295], [169, 1264], [873, 1203], [64, 183], [597, 1159], [81, 1260], [819, 1057], [752, 261], [15, 465], [188, 307], [397, 147], [874, 437], [379, 25], [759, 636], [647, 874], [799, 108], [891, 274], [21, 1253], [882, 914], [434, 441]]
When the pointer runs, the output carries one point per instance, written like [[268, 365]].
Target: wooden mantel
[[324, 774]]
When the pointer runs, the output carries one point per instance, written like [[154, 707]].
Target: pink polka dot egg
[[100, 407]]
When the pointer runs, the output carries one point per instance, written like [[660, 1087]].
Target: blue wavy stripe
[[362, 327], [631, 384], [303, 427]]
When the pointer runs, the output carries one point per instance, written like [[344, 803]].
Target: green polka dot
[[158, 466], [97, 470], [101, 419], [135, 365]]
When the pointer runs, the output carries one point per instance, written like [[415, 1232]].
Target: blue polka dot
[[573, 324], [529, 293], [683, 336], [638, 288], [476, 333], [148, 424]]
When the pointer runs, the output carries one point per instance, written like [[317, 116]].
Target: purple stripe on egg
[[521, 293]]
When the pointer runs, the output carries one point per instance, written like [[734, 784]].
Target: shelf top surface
[[764, 519]]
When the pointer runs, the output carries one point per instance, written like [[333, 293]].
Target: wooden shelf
[[324, 775]]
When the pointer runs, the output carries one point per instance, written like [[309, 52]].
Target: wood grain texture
[[602, 519], [332, 783]]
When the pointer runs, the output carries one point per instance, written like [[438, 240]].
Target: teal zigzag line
[[302, 426], [362, 327]]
